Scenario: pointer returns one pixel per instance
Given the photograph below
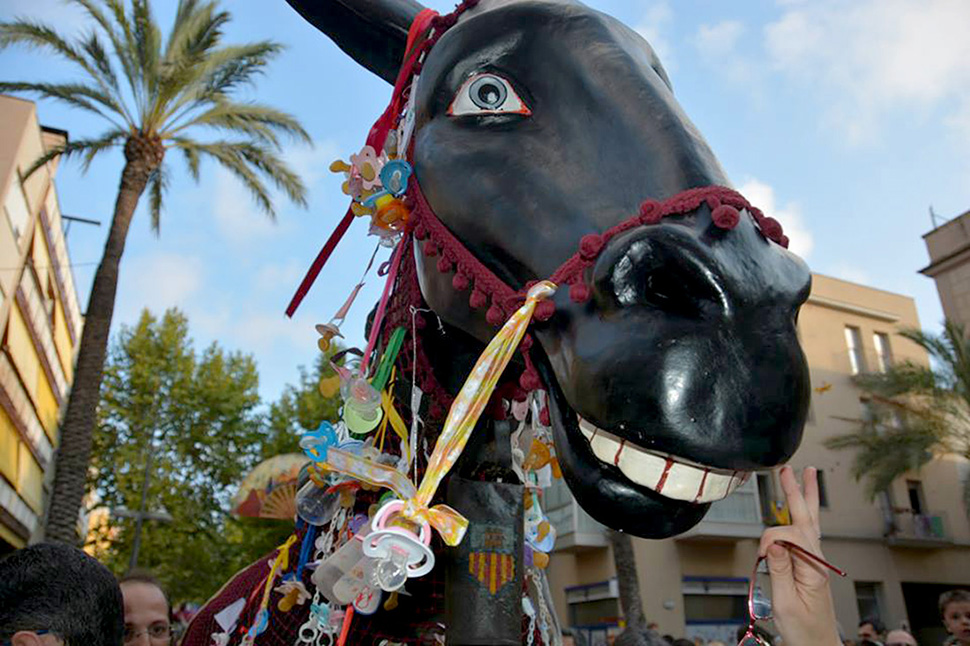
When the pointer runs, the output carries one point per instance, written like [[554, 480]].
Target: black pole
[[140, 516]]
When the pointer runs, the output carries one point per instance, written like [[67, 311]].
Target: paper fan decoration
[[269, 491]]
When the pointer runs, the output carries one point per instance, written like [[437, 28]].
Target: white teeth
[[668, 475]]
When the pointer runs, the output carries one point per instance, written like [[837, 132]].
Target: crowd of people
[[56, 595]]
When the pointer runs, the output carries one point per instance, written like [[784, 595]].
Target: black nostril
[[655, 268]]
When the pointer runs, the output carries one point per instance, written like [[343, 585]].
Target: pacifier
[[399, 553], [362, 410]]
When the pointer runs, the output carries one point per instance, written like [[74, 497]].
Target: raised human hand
[[801, 598]]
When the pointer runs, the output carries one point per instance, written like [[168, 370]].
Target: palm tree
[[915, 412], [155, 94]]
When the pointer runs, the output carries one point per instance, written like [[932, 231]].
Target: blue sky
[[845, 119]]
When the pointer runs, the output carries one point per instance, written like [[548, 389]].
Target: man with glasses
[[56, 595], [147, 617]]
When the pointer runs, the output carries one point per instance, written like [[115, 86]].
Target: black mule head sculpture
[[539, 122]]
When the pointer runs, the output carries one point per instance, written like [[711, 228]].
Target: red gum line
[[616, 458], [700, 491], [663, 476]]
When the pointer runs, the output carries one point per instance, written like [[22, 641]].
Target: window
[[868, 597], [883, 352], [17, 212], [596, 604], [853, 341], [823, 494], [916, 502]]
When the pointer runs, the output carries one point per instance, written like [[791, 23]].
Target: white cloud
[[237, 216], [161, 281], [654, 24], [868, 57], [313, 163], [789, 215], [717, 45]]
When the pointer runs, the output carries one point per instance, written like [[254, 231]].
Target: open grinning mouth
[[668, 475]]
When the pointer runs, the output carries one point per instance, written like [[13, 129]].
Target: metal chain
[[317, 630]]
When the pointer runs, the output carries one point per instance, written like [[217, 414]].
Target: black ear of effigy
[[372, 32]]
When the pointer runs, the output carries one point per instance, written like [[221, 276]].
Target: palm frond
[[157, 187], [118, 34], [191, 160], [254, 120], [242, 159], [98, 56], [147, 47], [75, 94], [39, 36], [221, 71], [88, 147]]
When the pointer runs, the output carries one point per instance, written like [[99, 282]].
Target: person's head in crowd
[[955, 613], [147, 620], [758, 631], [53, 594], [567, 638], [669, 639], [871, 629], [683, 642], [900, 637]]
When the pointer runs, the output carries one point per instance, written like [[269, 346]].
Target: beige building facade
[[900, 551], [949, 249], [40, 321]]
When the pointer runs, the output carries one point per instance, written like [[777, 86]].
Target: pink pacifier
[[399, 553]]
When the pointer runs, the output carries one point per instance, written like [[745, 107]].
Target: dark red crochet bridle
[[487, 290]]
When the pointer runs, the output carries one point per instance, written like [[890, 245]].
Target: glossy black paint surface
[[689, 344]]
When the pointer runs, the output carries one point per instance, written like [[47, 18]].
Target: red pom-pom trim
[[544, 417], [436, 411], [444, 265], [477, 299], [579, 292], [544, 311], [650, 212], [590, 246], [430, 248], [494, 315], [526, 343], [420, 232], [771, 228], [460, 282], [713, 202], [725, 217], [529, 381], [518, 394], [784, 242]]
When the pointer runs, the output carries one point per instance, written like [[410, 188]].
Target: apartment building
[[40, 321], [900, 551], [949, 249]]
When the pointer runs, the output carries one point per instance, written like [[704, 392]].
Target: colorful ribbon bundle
[[464, 414]]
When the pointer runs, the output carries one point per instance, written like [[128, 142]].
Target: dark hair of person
[[876, 624], [953, 596], [59, 588]]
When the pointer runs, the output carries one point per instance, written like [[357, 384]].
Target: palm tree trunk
[[74, 451], [629, 583]]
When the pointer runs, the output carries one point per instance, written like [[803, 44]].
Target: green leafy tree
[[915, 412], [301, 407], [156, 94], [196, 414]]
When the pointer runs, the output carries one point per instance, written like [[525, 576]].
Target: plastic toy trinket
[[362, 410], [327, 332]]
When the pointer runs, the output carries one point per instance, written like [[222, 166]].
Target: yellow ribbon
[[464, 414]]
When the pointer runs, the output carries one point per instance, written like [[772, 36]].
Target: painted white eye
[[487, 94]]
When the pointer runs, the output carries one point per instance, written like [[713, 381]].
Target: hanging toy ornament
[[362, 410], [399, 547]]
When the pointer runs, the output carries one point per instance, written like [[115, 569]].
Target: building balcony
[[927, 530], [737, 516]]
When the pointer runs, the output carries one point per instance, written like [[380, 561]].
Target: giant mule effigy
[[572, 289]]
